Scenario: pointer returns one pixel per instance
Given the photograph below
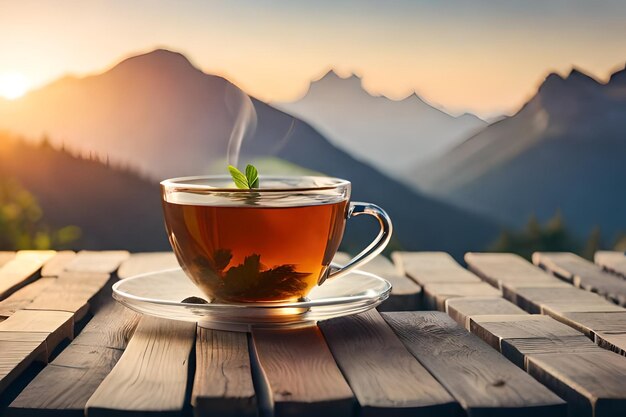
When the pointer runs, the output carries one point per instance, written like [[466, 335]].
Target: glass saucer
[[159, 294]]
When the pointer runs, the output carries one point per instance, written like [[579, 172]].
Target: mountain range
[[391, 135], [160, 114], [565, 150]]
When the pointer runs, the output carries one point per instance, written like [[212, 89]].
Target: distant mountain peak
[[157, 58], [470, 116], [332, 74], [413, 96], [578, 76], [618, 77], [556, 85], [553, 80]]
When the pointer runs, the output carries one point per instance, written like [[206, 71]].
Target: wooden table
[[504, 339]]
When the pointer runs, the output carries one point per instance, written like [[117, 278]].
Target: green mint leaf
[[252, 175], [238, 177]]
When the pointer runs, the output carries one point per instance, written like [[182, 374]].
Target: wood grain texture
[[385, 378], [302, 375], [141, 263], [435, 295], [431, 268], [556, 301], [6, 256], [612, 261], [612, 341], [64, 386], [58, 325], [405, 295], [583, 274], [105, 262], [71, 292], [507, 268], [17, 356], [23, 297], [112, 327], [482, 380], [462, 309], [27, 336], [21, 270], [592, 383], [56, 265], [519, 336], [509, 290], [151, 376], [590, 323], [223, 380]]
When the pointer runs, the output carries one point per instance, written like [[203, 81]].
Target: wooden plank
[[222, 383], [592, 383], [6, 256], [301, 373], [435, 295], [583, 274], [56, 265], [141, 263], [507, 268], [612, 341], [509, 289], [151, 376], [112, 327], [590, 323], [432, 268], [57, 325], [17, 356], [562, 303], [493, 328], [482, 380], [23, 297], [105, 262], [556, 301], [405, 295], [21, 270], [385, 378], [64, 386], [27, 336], [519, 336], [71, 292], [612, 261], [42, 256], [462, 309], [380, 265]]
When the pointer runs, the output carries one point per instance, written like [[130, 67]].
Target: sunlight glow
[[13, 85]]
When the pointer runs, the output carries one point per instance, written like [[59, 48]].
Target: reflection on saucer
[[160, 293]]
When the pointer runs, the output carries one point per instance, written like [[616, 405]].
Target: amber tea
[[246, 238], [247, 253]]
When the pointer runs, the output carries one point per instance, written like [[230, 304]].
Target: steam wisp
[[239, 104]]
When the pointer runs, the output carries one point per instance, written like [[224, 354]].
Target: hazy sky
[[482, 56]]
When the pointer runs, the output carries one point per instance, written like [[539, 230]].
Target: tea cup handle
[[374, 248]]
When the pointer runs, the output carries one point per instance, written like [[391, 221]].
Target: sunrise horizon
[[481, 58], [14, 85]]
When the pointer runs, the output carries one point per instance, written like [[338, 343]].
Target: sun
[[13, 85]]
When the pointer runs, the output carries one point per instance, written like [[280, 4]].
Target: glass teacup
[[270, 244]]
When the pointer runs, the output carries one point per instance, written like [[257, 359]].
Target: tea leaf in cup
[[245, 181], [253, 176], [238, 177], [194, 300]]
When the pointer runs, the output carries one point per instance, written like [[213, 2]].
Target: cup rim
[[183, 183]]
